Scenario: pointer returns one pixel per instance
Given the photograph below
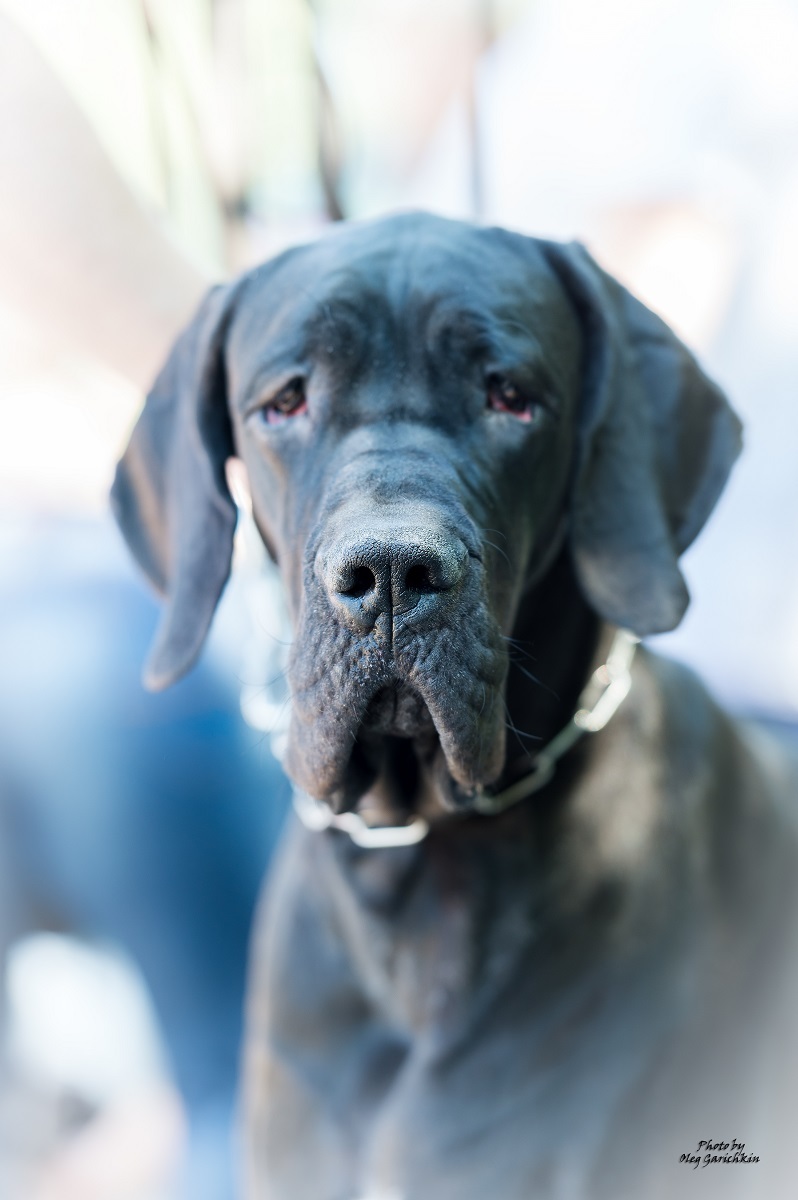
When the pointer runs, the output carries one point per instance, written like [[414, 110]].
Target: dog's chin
[[405, 756]]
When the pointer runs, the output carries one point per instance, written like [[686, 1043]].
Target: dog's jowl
[[532, 935]]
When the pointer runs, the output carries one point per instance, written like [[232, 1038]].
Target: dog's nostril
[[419, 579], [359, 582]]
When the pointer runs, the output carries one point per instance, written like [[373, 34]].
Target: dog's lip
[[397, 710], [424, 717], [431, 775], [395, 722], [398, 713]]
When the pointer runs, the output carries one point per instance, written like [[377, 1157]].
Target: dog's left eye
[[504, 396], [290, 401]]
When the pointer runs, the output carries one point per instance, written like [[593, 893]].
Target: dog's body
[[453, 436], [559, 1002]]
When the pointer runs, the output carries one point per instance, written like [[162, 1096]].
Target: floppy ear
[[169, 495], [657, 440]]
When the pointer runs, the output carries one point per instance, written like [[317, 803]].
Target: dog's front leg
[[318, 1057]]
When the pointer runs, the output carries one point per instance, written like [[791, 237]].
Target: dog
[[531, 934]]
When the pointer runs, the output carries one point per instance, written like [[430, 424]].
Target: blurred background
[[149, 147]]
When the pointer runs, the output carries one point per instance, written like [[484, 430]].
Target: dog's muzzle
[[602, 696]]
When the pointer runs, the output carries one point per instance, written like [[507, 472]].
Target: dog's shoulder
[[730, 784]]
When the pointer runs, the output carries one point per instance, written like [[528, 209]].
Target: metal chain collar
[[599, 700]]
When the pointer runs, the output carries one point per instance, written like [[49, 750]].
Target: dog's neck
[[552, 648]]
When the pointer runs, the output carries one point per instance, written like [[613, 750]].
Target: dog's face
[[425, 410], [404, 406]]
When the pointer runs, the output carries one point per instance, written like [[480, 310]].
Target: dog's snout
[[394, 573]]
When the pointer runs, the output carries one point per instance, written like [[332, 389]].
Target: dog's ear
[[657, 440], [170, 497]]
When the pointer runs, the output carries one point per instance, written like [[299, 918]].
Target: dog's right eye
[[504, 396], [290, 401]]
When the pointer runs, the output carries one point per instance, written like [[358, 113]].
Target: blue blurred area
[[146, 819]]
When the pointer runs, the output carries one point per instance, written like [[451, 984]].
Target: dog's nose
[[406, 571]]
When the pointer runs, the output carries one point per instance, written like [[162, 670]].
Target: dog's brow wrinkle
[[447, 328], [347, 313]]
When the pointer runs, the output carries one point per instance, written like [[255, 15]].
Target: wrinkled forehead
[[406, 280]]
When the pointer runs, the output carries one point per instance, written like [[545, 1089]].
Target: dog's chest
[[436, 934], [437, 1021], [476, 1019]]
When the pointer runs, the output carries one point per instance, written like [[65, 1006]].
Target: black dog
[[475, 457]]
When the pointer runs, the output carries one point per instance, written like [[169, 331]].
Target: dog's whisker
[[534, 679], [528, 675], [517, 642], [276, 640], [519, 733], [533, 737], [516, 655], [498, 549], [267, 732], [264, 684]]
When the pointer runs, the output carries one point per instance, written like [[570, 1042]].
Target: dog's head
[[425, 410]]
